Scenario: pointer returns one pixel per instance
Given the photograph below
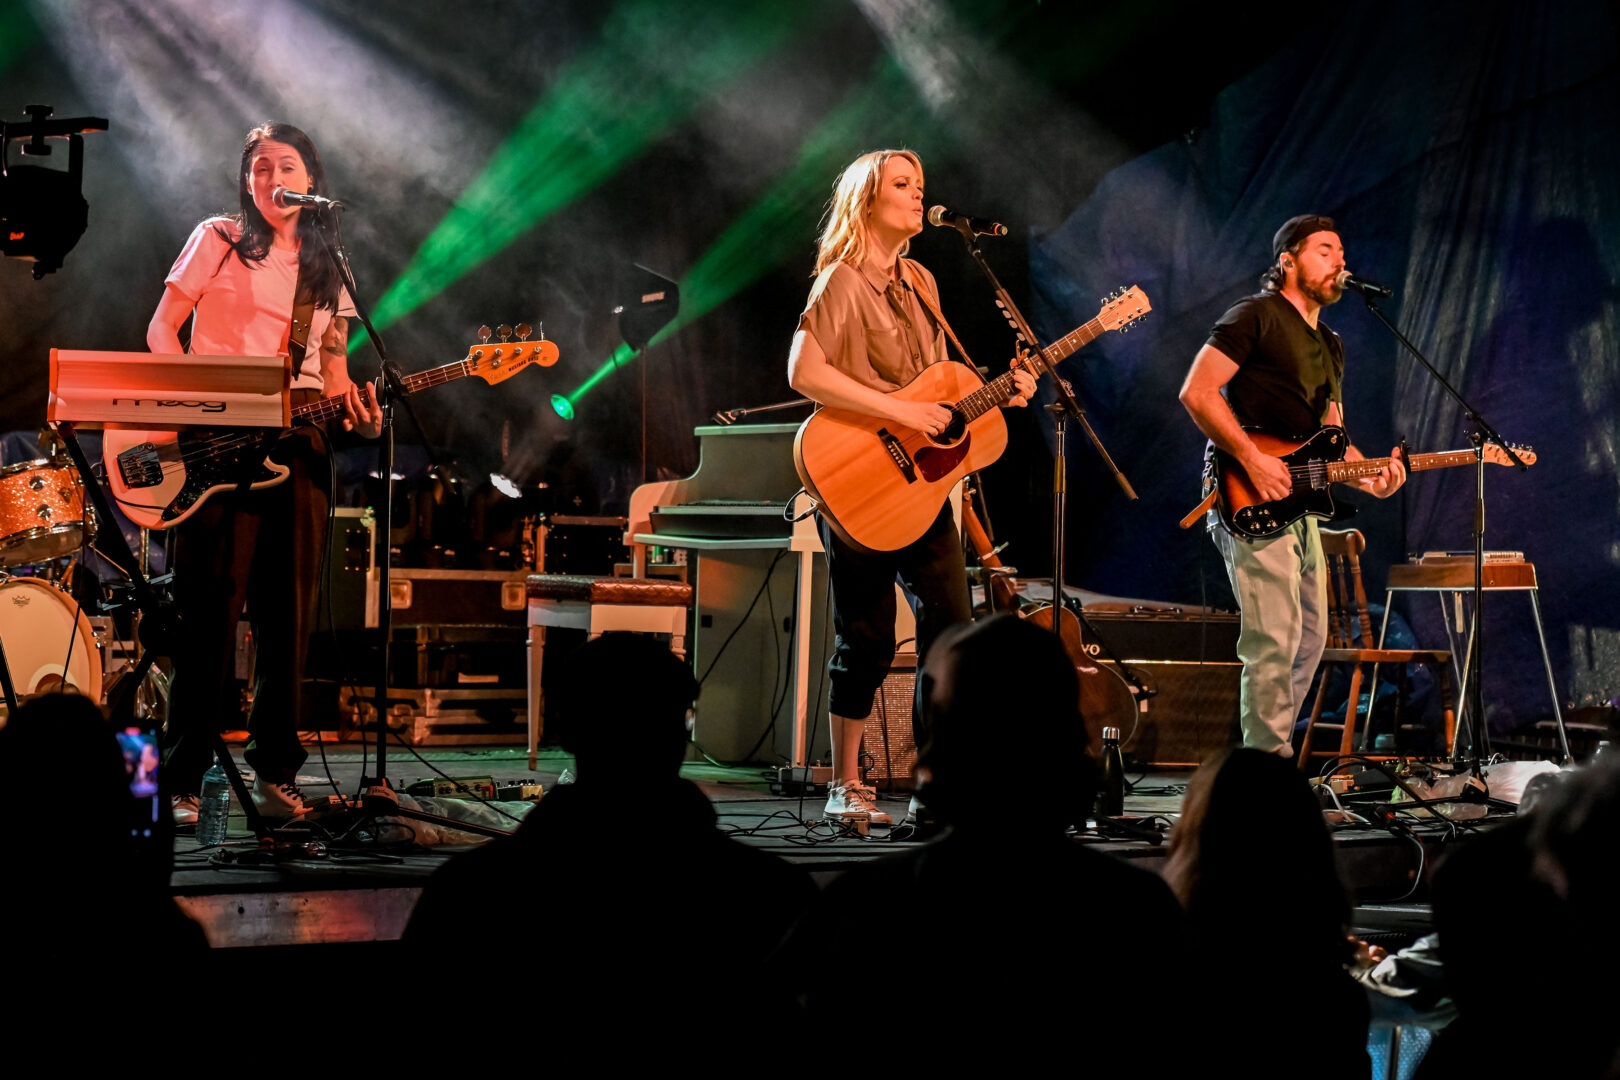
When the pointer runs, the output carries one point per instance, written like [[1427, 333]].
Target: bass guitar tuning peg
[[503, 332], [523, 331], [483, 335]]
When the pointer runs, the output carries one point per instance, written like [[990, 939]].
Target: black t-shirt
[[1287, 372]]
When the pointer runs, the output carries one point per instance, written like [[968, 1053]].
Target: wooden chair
[[1347, 610]]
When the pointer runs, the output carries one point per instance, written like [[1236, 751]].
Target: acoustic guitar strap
[[933, 309]]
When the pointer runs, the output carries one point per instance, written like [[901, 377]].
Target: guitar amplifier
[[888, 743], [1190, 659]]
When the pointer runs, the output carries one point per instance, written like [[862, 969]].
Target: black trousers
[[863, 606], [261, 549]]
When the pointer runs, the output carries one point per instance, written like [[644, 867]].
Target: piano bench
[[598, 605]]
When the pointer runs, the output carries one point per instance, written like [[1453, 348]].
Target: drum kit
[[49, 639]]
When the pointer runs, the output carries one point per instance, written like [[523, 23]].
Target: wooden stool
[[1347, 612], [597, 605]]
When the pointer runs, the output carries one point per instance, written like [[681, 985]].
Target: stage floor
[[367, 896]]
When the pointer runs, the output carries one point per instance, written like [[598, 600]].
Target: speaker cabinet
[[1190, 659], [888, 743]]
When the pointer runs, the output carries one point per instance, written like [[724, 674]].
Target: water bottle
[[213, 806], [1111, 803]]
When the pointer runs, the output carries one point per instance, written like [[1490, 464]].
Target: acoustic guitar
[[1314, 465], [160, 478], [881, 485]]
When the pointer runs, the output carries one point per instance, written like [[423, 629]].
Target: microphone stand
[[731, 416], [1480, 434], [379, 799], [1067, 406]]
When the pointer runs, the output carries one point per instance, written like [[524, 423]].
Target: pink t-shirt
[[246, 310]]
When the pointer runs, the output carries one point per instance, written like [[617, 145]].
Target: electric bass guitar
[[160, 478], [881, 485], [1315, 465]]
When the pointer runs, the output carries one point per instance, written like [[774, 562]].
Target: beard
[[1324, 291]]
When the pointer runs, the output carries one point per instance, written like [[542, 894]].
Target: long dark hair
[[317, 277], [1217, 868]]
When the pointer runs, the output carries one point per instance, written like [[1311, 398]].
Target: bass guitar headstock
[[498, 360]]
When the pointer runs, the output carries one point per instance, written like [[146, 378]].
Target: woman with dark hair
[[1252, 864], [260, 282], [871, 325]]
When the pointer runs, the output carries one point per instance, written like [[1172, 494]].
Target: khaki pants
[[1281, 590]]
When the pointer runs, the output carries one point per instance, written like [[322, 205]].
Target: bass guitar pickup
[[140, 467]]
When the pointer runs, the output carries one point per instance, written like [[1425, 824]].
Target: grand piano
[[761, 649]]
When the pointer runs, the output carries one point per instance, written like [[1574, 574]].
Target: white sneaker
[[184, 808], [850, 800], [278, 802]]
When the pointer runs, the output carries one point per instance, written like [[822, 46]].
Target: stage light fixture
[[43, 211]]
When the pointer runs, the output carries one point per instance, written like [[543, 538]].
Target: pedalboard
[[486, 788], [802, 781]]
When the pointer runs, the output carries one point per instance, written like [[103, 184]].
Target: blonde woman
[[865, 332]]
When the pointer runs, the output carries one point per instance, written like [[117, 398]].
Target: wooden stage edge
[[348, 900]]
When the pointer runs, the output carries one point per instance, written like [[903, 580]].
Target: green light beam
[[18, 33], [657, 62], [781, 223]]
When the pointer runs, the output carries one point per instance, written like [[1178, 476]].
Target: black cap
[[1298, 228]]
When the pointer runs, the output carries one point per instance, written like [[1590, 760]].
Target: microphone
[[284, 198], [1363, 286], [938, 215]]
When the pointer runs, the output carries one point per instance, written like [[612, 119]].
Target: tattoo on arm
[[336, 338]]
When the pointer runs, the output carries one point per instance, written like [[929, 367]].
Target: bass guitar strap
[[298, 335]]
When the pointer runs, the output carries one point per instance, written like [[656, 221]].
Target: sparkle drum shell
[[37, 624], [41, 512]]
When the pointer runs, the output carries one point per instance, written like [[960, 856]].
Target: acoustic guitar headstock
[[1123, 308]]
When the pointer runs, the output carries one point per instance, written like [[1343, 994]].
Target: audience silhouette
[[618, 895], [92, 926], [1525, 914], [1252, 863], [1003, 935]]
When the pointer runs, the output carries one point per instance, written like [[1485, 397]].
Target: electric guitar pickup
[[160, 478]]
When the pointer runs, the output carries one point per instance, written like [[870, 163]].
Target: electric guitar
[[160, 478], [881, 485], [1315, 465]]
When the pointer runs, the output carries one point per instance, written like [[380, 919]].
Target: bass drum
[[38, 625]]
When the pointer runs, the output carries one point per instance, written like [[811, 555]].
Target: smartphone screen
[[141, 759]]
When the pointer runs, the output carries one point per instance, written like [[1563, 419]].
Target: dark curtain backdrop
[[1470, 153]]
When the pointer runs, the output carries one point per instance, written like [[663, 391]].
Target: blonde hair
[[843, 231]]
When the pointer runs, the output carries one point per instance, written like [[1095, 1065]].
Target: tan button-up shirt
[[874, 328]]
